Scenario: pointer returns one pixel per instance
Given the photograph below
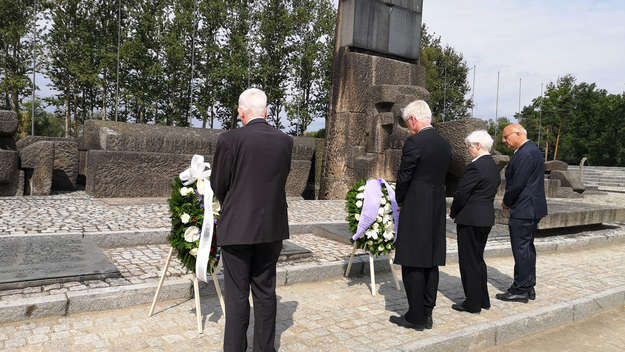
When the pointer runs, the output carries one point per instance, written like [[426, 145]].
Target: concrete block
[[584, 307], [126, 296], [611, 298], [514, 327], [31, 308], [113, 239]]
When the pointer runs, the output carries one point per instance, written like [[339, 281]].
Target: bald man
[[525, 199]]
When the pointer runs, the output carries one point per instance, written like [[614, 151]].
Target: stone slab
[[39, 260], [125, 296], [291, 251], [8, 123], [32, 308]]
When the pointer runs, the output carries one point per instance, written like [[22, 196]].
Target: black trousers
[[471, 244], [252, 266], [522, 240], [421, 285]]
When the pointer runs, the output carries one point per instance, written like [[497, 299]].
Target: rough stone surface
[[40, 158], [66, 162], [9, 174], [552, 165], [297, 181], [8, 123], [568, 179], [133, 174], [31, 308], [364, 127], [28, 140]]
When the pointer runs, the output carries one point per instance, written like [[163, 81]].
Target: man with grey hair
[[250, 168], [420, 193], [526, 201], [474, 214]]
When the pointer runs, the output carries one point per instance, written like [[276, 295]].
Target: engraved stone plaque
[[42, 260], [291, 251]]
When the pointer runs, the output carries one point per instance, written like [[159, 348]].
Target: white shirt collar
[[254, 118], [479, 156], [425, 128]]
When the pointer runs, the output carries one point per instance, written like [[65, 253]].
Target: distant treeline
[[178, 60]]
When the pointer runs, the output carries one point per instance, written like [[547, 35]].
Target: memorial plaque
[[42, 260], [291, 251]]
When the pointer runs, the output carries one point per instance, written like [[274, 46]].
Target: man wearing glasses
[[525, 199]]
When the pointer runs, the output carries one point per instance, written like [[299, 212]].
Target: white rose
[[378, 219], [359, 204], [386, 218], [361, 188], [357, 216], [360, 196], [369, 243], [186, 190], [388, 209], [382, 201], [185, 218], [389, 227], [193, 252], [192, 234], [381, 211], [380, 248], [387, 235], [201, 186], [375, 226]]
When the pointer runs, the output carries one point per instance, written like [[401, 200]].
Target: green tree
[[46, 124], [446, 78], [495, 129]]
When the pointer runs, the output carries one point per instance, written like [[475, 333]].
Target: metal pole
[[192, 64], [32, 113], [497, 108], [119, 31], [445, 93], [540, 114], [473, 93], [520, 96]]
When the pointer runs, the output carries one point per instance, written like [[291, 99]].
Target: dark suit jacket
[[525, 184], [250, 168], [420, 192], [473, 201]]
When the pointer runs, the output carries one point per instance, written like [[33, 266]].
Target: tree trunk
[[212, 114], [104, 103], [68, 117], [546, 150], [75, 114], [555, 153]]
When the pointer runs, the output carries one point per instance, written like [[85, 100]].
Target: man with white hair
[[525, 198], [420, 192], [250, 168], [474, 214]]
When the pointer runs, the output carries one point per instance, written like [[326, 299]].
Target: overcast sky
[[534, 40]]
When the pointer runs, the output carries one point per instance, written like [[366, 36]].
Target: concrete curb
[[182, 288], [520, 325]]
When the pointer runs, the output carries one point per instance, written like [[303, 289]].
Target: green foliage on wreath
[[193, 205], [379, 246]]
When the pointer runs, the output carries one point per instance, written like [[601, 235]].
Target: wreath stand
[[196, 292], [371, 269]]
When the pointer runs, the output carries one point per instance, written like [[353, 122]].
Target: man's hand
[[505, 207]]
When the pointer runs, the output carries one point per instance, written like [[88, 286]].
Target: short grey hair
[[419, 109], [480, 136], [253, 101]]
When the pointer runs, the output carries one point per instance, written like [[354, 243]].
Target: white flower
[[378, 219], [361, 188], [360, 196], [192, 234], [383, 201], [185, 218], [359, 204], [381, 211], [375, 226], [201, 186], [369, 243], [388, 209], [185, 190], [389, 226], [193, 252], [386, 218], [387, 235], [380, 248], [372, 234], [357, 216]]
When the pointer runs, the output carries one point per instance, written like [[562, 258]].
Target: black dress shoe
[[513, 297], [461, 308], [532, 294], [401, 321], [429, 322]]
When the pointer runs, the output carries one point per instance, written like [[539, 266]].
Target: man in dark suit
[[420, 193], [474, 215], [250, 168], [525, 198]]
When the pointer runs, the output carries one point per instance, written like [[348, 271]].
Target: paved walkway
[[334, 315], [604, 332]]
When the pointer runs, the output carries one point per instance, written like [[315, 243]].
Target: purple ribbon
[[371, 205]]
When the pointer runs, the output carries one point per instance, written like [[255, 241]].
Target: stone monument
[[11, 178], [375, 75]]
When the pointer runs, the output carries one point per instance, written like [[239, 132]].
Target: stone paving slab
[[341, 315]]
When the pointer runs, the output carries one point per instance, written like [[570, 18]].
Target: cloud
[[537, 41]]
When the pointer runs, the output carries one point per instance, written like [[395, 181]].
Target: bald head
[[514, 135]]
